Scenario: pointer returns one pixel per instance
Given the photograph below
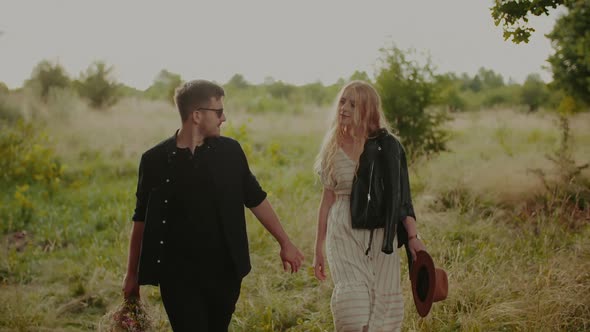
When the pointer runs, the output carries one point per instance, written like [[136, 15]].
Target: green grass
[[509, 269]]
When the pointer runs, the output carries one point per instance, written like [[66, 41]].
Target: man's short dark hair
[[195, 93]]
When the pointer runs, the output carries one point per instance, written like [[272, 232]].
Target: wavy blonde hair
[[367, 118]]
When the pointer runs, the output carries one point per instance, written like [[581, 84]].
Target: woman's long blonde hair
[[367, 118]]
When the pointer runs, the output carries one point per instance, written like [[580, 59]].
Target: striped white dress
[[366, 288]]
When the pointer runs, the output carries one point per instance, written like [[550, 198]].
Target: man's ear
[[196, 117]]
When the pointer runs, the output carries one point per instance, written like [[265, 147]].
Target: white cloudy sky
[[294, 41]]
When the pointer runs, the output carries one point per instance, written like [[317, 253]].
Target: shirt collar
[[170, 144]]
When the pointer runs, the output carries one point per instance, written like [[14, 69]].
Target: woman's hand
[[319, 265], [415, 245]]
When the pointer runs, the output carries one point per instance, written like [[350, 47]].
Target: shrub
[[47, 76], [501, 96], [164, 86], [9, 110], [26, 158], [407, 89], [98, 86], [534, 92], [567, 189]]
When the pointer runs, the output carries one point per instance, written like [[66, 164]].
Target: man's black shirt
[[196, 215], [232, 187]]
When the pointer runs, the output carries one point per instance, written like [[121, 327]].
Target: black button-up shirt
[[231, 186], [196, 216]]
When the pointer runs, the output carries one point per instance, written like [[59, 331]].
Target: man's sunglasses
[[218, 111]]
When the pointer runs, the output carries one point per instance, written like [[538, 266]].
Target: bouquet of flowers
[[129, 316]]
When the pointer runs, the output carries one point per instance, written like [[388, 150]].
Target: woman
[[367, 294]]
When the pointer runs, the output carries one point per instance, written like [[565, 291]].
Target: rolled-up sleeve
[[253, 193], [142, 192]]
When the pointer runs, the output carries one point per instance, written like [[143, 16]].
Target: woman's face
[[346, 108]]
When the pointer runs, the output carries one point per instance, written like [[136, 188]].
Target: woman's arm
[[410, 225], [414, 244], [408, 215], [328, 198]]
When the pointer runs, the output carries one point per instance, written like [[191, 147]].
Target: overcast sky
[[293, 41]]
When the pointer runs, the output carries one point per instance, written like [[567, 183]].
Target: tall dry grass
[[509, 269]]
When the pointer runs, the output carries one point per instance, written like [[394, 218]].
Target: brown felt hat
[[429, 284]]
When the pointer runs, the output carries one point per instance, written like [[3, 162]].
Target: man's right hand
[[130, 286]]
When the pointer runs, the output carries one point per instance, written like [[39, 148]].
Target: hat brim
[[423, 278]]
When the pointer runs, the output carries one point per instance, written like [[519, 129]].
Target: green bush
[[407, 89], [448, 95], [26, 158], [280, 90], [164, 86], [98, 86], [9, 109], [237, 82], [501, 96], [47, 76], [505, 96], [534, 92]]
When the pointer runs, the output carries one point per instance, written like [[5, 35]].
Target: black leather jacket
[[381, 196]]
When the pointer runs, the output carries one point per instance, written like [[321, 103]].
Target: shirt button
[[173, 152], [163, 221]]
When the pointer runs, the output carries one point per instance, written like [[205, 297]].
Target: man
[[189, 233]]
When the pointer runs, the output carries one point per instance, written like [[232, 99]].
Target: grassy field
[[517, 255]]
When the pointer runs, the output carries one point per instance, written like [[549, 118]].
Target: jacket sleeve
[[407, 208], [392, 192]]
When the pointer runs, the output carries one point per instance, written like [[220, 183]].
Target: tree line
[[416, 99], [456, 92]]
